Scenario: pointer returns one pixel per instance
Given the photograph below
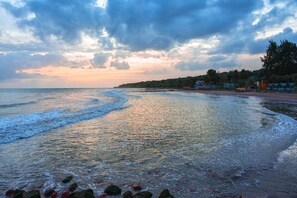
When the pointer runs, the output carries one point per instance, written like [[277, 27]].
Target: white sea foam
[[28, 125]]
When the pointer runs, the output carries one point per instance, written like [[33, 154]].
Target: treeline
[[279, 65], [280, 62], [280, 59], [242, 78], [168, 83]]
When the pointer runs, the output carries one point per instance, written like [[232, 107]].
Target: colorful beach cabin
[[200, 84], [230, 85], [282, 87]]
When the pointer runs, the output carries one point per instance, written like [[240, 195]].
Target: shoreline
[[284, 103], [271, 96]]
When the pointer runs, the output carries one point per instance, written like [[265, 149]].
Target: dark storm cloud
[[12, 63], [274, 16], [244, 42], [63, 19], [243, 39], [151, 24], [259, 46], [139, 24], [159, 24], [280, 11]]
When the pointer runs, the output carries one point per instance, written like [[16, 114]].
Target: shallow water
[[196, 145]]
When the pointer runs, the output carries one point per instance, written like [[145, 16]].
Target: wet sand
[[273, 96], [271, 182], [285, 103]]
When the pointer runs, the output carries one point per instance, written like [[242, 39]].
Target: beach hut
[[275, 86], [291, 87], [230, 85], [199, 83], [283, 86], [270, 86], [264, 84]]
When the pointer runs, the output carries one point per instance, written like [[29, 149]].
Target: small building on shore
[[282, 87], [200, 84], [230, 85]]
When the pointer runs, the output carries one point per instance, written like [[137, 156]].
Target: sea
[[195, 145]]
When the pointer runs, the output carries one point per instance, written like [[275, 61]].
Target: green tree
[[212, 76], [270, 59], [234, 76], [287, 58], [280, 59]]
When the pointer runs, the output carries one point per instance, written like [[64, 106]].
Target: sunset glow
[[107, 43]]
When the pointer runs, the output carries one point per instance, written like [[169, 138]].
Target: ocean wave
[[266, 145], [17, 104], [2, 106], [248, 149], [25, 126]]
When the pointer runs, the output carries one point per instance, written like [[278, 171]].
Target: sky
[[104, 43]]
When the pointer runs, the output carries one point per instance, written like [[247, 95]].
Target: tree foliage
[[242, 78], [280, 59], [212, 76]]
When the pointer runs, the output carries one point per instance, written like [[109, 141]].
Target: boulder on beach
[[113, 190], [54, 195], [83, 194], [49, 192], [9, 193], [67, 179], [31, 194], [65, 194], [165, 194], [18, 193], [144, 194], [72, 187], [136, 186], [104, 195], [128, 194]]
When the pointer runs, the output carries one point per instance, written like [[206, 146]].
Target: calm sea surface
[[195, 145]]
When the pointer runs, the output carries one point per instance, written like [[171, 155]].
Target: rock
[[83, 194], [165, 194], [73, 187], [128, 194], [49, 192], [136, 186], [65, 194], [54, 195], [113, 190], [67, 179], [9, 193], [104, 195], [144, 194], [18, 193], [31, 194]]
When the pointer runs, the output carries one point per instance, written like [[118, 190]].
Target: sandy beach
[[285, 103], [274, 96]]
